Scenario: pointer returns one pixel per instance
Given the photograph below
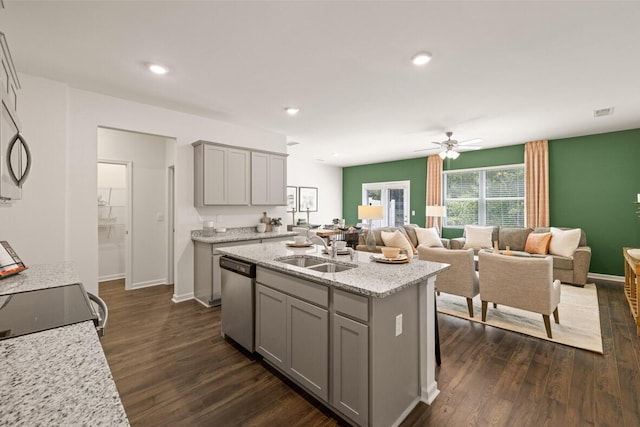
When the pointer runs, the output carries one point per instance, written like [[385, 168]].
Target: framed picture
[[292, 198], [308, 199]]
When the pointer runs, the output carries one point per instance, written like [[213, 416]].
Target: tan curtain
[[434, 187], [536, 169]]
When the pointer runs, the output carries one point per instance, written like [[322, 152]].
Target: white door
[[393, 196]]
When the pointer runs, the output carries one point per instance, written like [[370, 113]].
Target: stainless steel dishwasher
[[238, 284]]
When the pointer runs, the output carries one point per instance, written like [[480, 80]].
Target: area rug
[[578, 309]]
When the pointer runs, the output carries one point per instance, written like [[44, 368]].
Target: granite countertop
[[59, 376], [369, 278], [40, 276], [239, 234]]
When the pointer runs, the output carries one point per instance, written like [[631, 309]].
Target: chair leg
[[556, 316], [495, 305], [484, 311], [470, 306], [438, 293], [547, 324]]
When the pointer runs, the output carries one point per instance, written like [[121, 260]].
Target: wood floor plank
[[172, 367]]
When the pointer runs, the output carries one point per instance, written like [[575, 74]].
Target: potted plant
[[276, 224]]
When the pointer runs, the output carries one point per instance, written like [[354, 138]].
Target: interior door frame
[[171, 228]]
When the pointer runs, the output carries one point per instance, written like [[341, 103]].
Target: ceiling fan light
[[443, 155], [454, 155]]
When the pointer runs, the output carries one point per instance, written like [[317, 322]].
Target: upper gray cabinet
[[268, 179], [228, 175], [222, 175]]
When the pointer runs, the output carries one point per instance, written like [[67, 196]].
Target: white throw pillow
[[564, 242], [396, 239], [428, 237], [477, 237]]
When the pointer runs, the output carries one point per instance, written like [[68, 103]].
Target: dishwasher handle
[[240, 267]]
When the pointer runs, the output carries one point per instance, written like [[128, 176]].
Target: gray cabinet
[[271, 325], [268, 179], [221, 175], [291, 333], [308, 346], [350, 382]]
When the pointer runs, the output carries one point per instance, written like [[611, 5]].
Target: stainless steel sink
[[316, 264], [301, 261], [331, 267]]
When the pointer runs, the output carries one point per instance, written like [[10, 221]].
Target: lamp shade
[[370, 212], [439, 211]]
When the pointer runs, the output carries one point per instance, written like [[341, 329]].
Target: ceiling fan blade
[[471, 141], [469, 147], [435, 150]]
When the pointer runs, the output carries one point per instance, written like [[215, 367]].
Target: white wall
[[57, 220], [328, 179], [148, 232], [35, 226], [87, 112]]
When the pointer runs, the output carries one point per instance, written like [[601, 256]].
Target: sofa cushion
[[538, 243], [410, 230], [583, 235], [378, 236], [396, 239], [515, 238], [428, 237], [564, 242], [477, 237]]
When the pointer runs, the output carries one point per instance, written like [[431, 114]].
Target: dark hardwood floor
[[172, 367]]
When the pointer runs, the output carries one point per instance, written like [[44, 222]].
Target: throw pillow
[[564, 242], [428, 237], [396, 239], [538, 243], [477, 237]]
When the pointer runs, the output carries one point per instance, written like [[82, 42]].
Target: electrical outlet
[[159, 217], [398, 324], [413, 213]]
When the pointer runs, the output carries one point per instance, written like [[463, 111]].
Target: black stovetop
[[34, 311]]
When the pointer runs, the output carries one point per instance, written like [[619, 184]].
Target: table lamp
[[370, 213], [437, 212]]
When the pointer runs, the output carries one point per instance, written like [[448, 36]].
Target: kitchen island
[[359, 336], [59, 376]]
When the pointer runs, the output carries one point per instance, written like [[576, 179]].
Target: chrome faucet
[[331, 251]]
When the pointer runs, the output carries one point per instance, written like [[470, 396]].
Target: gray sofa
[[572, 270], [407, 230]]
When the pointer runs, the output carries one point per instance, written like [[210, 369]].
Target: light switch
[[413, 213], [159, 217], [398, 324]]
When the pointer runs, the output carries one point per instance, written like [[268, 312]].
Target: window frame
[[482, 199]]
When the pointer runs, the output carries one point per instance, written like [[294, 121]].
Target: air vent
[[292, 143], [603, 112]]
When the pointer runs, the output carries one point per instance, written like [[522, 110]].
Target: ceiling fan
[[451, 148]]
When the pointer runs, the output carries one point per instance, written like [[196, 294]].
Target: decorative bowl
[[390, 252]]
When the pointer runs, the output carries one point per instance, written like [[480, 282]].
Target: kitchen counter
[[59, 376], [239, 234], [369, 278]]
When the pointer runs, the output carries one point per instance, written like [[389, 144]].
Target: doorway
[[149, 259], [393, 197]]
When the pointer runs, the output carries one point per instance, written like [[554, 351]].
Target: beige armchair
[[459, 279], [520, 282]]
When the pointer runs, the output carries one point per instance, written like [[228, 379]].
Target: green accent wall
[[593, 184], [414, 170]]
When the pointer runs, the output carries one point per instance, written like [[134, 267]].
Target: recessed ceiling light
[[158, 69], [421, 58], [292, 111]]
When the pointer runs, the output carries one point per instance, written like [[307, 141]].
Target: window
[[393, 196], [491, 196]]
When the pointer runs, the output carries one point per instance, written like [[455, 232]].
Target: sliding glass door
[[393, 196]]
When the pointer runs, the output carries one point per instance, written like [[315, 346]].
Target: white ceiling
[[507, 72]]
